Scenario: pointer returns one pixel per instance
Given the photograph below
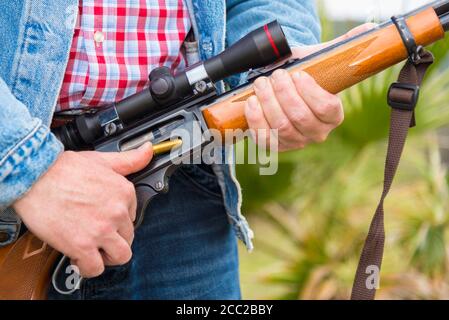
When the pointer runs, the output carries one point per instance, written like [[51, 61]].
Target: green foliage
[[312, 218]]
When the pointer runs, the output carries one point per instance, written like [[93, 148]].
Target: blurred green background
[[310, 219]]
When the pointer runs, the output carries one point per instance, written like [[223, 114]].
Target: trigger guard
[[144, 194]]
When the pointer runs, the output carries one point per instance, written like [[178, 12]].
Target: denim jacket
[[36, 37]]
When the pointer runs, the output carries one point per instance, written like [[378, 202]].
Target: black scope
[[260, 48]]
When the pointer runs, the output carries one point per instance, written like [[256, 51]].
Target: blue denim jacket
[[36, 37]]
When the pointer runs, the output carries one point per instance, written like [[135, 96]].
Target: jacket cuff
[[26, 163]]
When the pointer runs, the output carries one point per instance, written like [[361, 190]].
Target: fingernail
[[279, 75], [261, 83], [296, 75], [145, 146], [253, 103]]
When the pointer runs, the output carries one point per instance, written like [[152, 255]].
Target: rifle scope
[[260, 48]]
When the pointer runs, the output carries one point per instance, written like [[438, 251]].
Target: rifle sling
[[402, 97]]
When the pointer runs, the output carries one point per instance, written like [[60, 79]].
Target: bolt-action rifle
[[189, 101]]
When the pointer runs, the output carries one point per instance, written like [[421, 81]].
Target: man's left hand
[[295, 105]]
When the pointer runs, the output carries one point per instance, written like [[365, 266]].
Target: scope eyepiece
[[260, 48]]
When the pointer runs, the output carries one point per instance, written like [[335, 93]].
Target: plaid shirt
[[115, 46]]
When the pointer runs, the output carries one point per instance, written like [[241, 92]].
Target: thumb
[[301, 52], [131, 161]]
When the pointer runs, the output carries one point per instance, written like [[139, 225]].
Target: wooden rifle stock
[[340, 68], [25, 269], [26, 266]]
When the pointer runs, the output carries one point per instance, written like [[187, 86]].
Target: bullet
[[166, 146]]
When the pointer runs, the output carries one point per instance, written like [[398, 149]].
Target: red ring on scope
[[270, 39]]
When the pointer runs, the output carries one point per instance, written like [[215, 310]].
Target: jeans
[[185, 248]]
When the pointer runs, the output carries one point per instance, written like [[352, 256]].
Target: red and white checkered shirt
[[116, 44]]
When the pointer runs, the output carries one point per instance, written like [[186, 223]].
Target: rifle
[[188, 101]]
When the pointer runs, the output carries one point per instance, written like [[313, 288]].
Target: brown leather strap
[[402, 97]]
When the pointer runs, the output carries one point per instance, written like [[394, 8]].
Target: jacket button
[[4, 237], [207, 46]]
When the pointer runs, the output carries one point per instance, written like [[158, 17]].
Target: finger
[[131, 197], [260, 129], [324, 105], [351, 33], [126, 231], [301, 52], [359, 29], [274, 115], [115, 251], [128, 162], [296, 109], [90, 265]]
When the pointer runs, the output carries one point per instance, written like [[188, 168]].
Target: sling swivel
[[414, 51]]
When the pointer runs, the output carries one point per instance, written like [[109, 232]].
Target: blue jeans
[[185, 248]]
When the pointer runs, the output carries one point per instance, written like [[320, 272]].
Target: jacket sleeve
[[298, 18], [27, 148]]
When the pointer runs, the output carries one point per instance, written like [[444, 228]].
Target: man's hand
[[84, 207], [296, 105]]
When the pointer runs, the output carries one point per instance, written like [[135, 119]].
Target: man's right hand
[[84, 207]]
